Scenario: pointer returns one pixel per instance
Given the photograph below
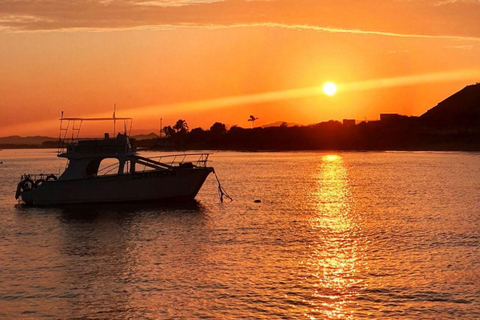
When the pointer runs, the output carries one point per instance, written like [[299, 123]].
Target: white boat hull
[[181, 184]]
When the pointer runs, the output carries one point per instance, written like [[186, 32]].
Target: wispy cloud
[[455, 20], [341, 30], [447, 2], [172, 3]]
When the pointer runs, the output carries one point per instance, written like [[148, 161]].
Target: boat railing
[[70, 130], [163, 162], [36, 178], [108, 169], [183, 160], [197, 159]]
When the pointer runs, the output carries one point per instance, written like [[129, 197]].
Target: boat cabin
[[85, 156]]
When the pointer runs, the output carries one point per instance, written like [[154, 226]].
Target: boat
[[127, 177]]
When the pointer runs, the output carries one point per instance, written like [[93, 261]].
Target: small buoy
[[257, 201]]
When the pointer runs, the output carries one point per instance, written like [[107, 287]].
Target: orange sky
[[156, 58]]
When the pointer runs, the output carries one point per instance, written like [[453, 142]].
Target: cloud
[[351, 31], [172, 3], [456, 20], [446, 2]]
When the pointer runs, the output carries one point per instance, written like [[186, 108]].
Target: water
[[337, 235]]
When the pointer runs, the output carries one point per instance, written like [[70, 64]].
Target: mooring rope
[[221, 190]]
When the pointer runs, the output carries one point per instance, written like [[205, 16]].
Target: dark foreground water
[[337, 235]]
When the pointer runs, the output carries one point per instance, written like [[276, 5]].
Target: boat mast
[[61, 127], [60, 144]]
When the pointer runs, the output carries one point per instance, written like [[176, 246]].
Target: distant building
[[349, 122], [389, 116]]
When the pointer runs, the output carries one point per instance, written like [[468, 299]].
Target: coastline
[[214, 149]]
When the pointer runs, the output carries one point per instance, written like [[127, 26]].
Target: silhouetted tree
[[234, 128], [218, 129], [405, 133], [169, 131], [181, 131], [181, 126], [252, 118], [198, 135], [217, 132]]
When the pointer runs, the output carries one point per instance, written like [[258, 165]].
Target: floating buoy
[[257, 201]]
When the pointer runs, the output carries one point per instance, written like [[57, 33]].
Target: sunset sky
[[207, 61]]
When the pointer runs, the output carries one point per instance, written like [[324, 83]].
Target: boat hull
[[175, 184]]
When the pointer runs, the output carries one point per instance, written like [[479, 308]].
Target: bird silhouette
[[252, 118]]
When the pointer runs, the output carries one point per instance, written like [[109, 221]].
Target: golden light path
[[291, 94], [335, 262]]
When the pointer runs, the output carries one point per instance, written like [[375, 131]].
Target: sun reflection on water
[[334, 261]]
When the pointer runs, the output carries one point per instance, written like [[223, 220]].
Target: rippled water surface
[[337, 235]]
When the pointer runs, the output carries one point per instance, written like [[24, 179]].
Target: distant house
[[388, 117], [349, 122]]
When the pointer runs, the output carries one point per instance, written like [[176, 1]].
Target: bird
[[252, 118]]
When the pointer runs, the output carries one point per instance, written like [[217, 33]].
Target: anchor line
[[221, 191]]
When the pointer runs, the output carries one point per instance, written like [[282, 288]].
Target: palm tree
[[181, 126], [169, 132], [252, 118]]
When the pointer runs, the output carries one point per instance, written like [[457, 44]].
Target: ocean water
[[337, 235]]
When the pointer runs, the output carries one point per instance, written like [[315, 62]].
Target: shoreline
[[2, 148]]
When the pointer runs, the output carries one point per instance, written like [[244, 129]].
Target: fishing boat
[[127, 176]]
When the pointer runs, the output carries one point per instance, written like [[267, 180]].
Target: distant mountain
[[17, 140], [460, 109], [280, 124], [140, 131], [145, 136], [39, 140]]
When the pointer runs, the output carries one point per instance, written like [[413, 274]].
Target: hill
[[17, 140], [145, 136], [460, 109], [281, 124]]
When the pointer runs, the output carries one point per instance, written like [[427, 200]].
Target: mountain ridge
[[460, 109]]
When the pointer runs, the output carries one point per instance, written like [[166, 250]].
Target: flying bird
[[252, 118]]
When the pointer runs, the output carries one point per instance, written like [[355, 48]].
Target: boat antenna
[[114, 121], [161, 126]]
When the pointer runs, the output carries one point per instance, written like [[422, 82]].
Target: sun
[[329, 88]]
